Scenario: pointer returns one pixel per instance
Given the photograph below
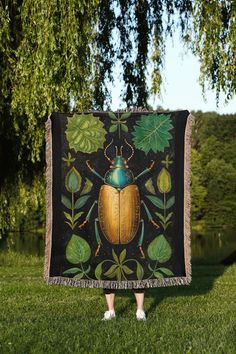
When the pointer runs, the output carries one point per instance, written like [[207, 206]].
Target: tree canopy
[[56, 53]]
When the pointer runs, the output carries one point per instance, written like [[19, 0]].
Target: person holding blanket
[[110, 299]]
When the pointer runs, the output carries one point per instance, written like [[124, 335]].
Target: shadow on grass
[[203, 278]]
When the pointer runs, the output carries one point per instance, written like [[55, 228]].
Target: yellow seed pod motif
[[164, 181]]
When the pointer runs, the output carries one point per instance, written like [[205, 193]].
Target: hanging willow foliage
[[56, 53]]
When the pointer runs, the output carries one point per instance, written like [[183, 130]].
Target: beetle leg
[[97, 237], [145, 171], [141, 239], [88, 163], [150, 219], [88, 215]]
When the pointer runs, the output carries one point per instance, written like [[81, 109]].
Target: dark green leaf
[[127, 270], [151, 132], [73, 180], [170, 202], [139, 271], [158, 275], [112, 115], [98, 270], [80, 202], [156, 201], [115, 256], [125, 115], [159, 249], [122, 255], [72, 270], [66, 202], [111, 270], [124, 128], [165, 271], [77, 250], [78, 276], [112, 128]]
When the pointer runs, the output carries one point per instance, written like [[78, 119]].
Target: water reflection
[[212, 246], [31, 243], [209, 247]]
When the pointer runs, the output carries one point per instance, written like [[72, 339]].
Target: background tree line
[[213, 180]]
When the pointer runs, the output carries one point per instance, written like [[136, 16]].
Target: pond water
[[210, 247]]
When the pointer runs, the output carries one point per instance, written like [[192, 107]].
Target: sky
[[180, 88]]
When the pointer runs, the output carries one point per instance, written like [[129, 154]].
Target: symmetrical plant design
[[119, 269], [73, 182], [68, 159], [86, 133], [164, 186], [118, 122]]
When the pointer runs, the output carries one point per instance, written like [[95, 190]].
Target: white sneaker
[[140, 315], [108, 315]]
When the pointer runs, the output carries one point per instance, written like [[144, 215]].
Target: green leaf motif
[[122, 255], [139, 271], [166, 271], [98, 270], [149, 186], [113, 128], [111, 271], [78, 276], [164, 181], [77, 215], [151, 132], [158, 275], [115, 256], [170, 202], [73, 180], [80, 202], [72, 271], [112, 115], [87, 187], [124, 128], [77, 250], [156, 201], [85, 133], [125, 115], [127, 270], [159, 249], [66, 201]]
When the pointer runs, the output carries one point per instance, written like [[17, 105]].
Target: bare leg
[[139, 300], [110, 298]]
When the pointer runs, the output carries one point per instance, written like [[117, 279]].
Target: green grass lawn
[[40, 318]]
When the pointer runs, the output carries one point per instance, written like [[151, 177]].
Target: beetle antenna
[[132, 154], [121, 150], [116, 150], [105, 151]]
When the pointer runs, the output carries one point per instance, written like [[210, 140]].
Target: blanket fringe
[[49, 216], [187, 195], [124, 284]]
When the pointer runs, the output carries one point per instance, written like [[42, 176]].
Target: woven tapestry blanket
[[118, 199]]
